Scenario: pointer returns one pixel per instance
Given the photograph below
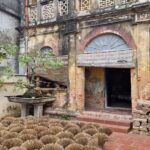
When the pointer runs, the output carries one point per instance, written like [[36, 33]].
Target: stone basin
[[36, 102]]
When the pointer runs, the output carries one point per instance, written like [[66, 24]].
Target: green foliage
[[8, 72], [65, 117], [32, 60], [8, 48], [24, 59]]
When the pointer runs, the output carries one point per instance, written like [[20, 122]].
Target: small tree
[[7, 51], [33, 61]]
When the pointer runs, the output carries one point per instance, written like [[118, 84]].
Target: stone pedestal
[[27, 102], [141, 118], [38, 110]]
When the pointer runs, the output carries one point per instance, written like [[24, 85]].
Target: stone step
[[111, 115], [122, 127], [103, 120]]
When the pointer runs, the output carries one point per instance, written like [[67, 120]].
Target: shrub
[[40, 128], [29, 131], [25, 137], [10, 135], [1, 139], [53, 124], [93, 141], [32, 144], [18, 148], [43, 133], [74, 130], [70, 124], [90, 131], [105, 130], [65, 142], [90, 148], [45, 124], [48, 139], [17, 129], [88, 126], [82, 140], [14, 125], [3, 132], [79, 135], [30, 122], [3, 147], [55, 130], [65, 134], [2, 128], [74, 146], [31, 126], [12, 142], [52, 147], [102, 138]]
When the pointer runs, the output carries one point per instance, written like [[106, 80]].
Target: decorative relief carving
[[33, 14], [48, 11], [106, 3], [63, 7], [85, 5], [142, 17], [109, 3]]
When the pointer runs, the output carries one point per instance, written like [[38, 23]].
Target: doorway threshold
[[118, 109]]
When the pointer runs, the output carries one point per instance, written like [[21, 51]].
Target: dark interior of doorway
[[118, 88]]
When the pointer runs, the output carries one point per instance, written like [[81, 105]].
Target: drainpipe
[[26, 13]]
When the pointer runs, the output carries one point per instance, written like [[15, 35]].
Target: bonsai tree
[[33, 61]]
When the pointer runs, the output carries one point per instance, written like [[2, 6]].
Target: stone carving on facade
[[109, 3], [142, 17], [48, 11], [63, 7], [85, 5], [106, 3]]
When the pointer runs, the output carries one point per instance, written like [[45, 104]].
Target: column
[[38, 110], [23, 110], [80, 88]]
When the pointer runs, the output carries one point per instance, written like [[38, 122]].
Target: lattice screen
[[106, 3], [63, 7], [48, 10], [32, 2], [33, 14], [85, 5]]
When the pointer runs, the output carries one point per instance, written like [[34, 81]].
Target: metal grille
[[63, 7], [33, 14], [85, 5], [48, 11]]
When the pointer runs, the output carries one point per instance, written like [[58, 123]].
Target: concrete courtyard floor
[[121, 141]]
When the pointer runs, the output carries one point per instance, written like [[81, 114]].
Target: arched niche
[[106, 42]]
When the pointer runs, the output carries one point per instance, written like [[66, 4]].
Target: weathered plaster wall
[[6, 107], [9, 21], [94, 89], [37, 39]]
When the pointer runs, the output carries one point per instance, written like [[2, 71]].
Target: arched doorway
[[107, 60]]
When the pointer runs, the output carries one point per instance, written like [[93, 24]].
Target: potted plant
[[33, 61]]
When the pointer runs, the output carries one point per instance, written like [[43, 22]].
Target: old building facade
[[106, 45], [10, 21]]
